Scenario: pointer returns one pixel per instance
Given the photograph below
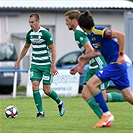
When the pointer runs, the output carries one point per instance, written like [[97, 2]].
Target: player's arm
[[121, 39], [53, 51], [90, 53], [87, 57], [88, 49], [73, 69], [120, 36], [84, 59], [53, 56], [22, 54]]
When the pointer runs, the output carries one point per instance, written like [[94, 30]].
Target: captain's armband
[[108, 33]]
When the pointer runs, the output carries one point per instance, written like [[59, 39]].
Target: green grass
[[21, 88], [79, 118]]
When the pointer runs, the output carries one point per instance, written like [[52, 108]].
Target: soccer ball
[[11, 112]]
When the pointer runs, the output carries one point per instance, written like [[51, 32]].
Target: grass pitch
[[78, 118]]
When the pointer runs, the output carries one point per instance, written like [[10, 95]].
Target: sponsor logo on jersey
[[96, 45], [94, 38], [81, 38], [36, 40], [101, 71]]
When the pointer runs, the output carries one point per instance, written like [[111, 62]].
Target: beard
[[70, 28]]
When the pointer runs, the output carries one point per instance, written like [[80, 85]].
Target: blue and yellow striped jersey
[[100, 39]]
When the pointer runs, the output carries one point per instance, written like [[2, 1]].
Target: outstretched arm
[[73, 69], [84, 59], [22, 54]]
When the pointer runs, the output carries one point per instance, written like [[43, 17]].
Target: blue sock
[[100, 100]]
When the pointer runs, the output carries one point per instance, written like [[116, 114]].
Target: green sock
[[54, 96], [38, 100], [95, 107], [115, 97]]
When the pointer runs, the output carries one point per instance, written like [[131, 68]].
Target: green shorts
[[39, 73]]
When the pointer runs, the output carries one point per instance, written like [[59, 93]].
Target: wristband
[[121, 53]]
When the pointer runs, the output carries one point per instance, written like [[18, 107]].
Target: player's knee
[[84, 95], [46, 89], [129, 98], [35, 87], [90, 85]]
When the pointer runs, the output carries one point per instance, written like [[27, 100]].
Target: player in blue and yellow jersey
[[71, 18], [104, 43], [42, 63]]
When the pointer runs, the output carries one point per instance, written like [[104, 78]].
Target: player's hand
[[121, 59], [80, 59], [73, 71], [80, 69], [53, 71], [16, 65]]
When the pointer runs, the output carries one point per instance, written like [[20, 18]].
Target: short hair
[[35, 15], [73, 14], [86, 20]]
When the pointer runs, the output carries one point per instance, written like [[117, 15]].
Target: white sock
[[41, 112], [107, 113], [60, 103]]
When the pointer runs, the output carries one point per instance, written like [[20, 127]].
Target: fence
[[15, 71]]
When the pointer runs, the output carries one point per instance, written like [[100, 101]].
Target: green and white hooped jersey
[[40, 40], [81, 38]]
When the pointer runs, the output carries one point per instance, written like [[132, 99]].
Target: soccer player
[[103, 40], [42, 63], [71, 18]]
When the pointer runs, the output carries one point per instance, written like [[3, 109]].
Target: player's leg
[[47, 80], [55, 97], [111, 96], [128, 95], [86, 95], [123, 84], [115, 97], [92, 85], [37, 99], [35, 77]]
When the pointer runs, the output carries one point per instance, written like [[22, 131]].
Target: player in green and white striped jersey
[[42, 63]]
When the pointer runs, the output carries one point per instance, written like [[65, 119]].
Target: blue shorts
[[115, 72]]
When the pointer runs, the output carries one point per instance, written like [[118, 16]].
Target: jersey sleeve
[[28, 38], [81, 38], [48, 37], [104, 32]]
